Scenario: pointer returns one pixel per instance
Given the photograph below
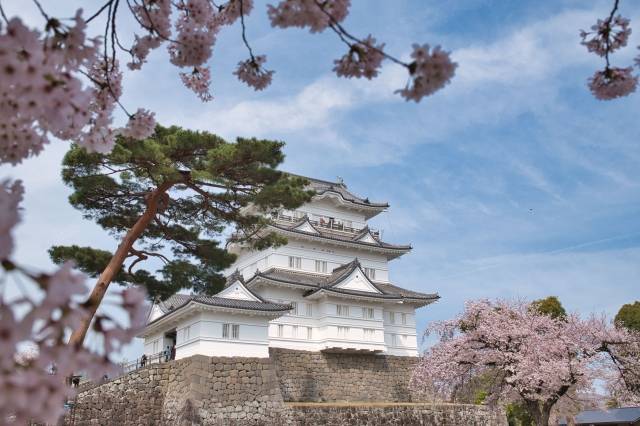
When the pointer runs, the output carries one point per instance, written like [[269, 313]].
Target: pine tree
[[170, 198]]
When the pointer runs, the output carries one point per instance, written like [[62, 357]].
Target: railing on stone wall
[[144, 361]]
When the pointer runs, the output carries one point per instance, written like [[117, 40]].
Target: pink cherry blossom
[[533, 357], [199, 81], [613, 83], [141, 125], [607, 35], [10, 198], [231, 11], [252, 73], [317, 15], [362, 60], [429, 71], [33, 387], [39, 93]]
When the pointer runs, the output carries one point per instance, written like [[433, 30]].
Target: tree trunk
[[100, 289], [539, 411]]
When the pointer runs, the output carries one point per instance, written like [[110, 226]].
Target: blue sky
[[513, 181]]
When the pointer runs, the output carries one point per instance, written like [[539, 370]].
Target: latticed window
[[342, 310], [370, 272], [369, 334], [295, 262], [280, 330], [321, 266], [368, 313], [231, 331], [343, 332], [309, 333]]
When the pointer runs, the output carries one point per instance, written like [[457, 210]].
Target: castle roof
[[364, 239], [254, 303], [317, 284], [323, 186]]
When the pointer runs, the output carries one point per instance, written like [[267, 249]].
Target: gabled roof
[[179, 301], [315, 283], [627, 415], [355, 240], [322, 187]]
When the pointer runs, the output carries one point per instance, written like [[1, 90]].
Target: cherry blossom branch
[[102, 9], [4, 16], [341, 31], [244, 37]]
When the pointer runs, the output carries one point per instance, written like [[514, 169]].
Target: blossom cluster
[[613, 82], [607, 36], [430, 71], [317, 15], [35, 387], [252, 72], [199, 80], [362, 60], [539, 358], [42, 92]]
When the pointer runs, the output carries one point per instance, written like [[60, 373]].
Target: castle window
[[392, 317], [309, 333], [368, 313], [186, 333], [280, 330], [370, 272], [294, 311], [294, 331], [309, 310], [321, 266], [369, 333], [230, 331], [295, 262], [404, 319], [343, 332], [342, 310]]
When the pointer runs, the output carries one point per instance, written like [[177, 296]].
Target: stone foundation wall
[[134, 399], [398, 414], [203, 390], [318, 376]]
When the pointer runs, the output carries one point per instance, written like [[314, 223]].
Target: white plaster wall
[[328, 208], [407, 344], [205, 335], [334, 256]]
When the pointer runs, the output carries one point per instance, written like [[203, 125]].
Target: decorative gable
[[306, 226], [237, 291], [368, 238], [358, 281], [156, 312]]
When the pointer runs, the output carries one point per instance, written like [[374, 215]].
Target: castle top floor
[[334, 208]]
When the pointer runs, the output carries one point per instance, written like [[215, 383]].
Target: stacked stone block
[[320, 377]]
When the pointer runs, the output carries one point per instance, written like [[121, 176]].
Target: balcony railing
[[326, 223]]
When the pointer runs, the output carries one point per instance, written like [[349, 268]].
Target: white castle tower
[[328, 289]]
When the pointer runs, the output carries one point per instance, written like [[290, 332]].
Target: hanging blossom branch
[[35, 359], [607, 36], [45, 77]]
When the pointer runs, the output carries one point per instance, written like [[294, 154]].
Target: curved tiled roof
[[317, 282], [348, 239], [322, 186], [178, 301]]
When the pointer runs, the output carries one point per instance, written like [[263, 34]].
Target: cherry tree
[[535, 359]]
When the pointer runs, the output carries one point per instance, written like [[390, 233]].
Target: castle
[[328, 290]]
